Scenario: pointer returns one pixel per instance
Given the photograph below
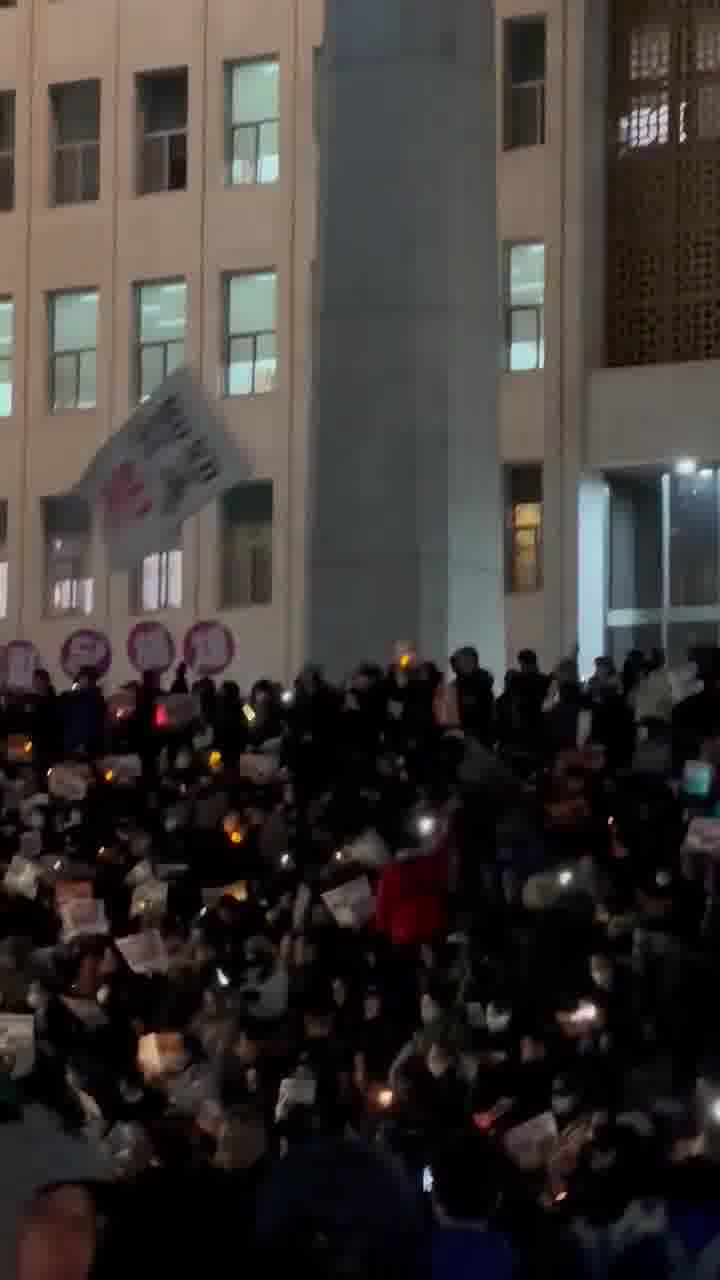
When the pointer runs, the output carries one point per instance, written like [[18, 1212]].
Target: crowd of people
[[387, 979]]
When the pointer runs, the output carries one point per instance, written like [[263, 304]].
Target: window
[[161, 333], [157, 583], [3, 558], [525, 307], [7, 150], [252, 128], [75, 168], [73, 349], [162, 98], [523, 500], [250, 337], [7, 318], [524, 82], [246, 516], [68, 538]]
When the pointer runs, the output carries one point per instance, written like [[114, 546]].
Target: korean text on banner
[[172, 458]]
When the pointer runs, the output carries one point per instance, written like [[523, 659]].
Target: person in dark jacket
[[474, 691]]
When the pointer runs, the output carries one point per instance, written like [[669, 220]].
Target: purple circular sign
[[86, 648], [151, 647], [209, 648]]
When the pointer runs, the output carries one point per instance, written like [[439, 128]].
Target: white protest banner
[[22, 878], [171, 459], [529, 1144], [144, 953], [150, 897], [17, 1043], [69, 782], [83, 917], [352, 904]]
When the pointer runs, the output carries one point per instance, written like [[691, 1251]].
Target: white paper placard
[[150, 897], [83, 917], [352, 905], [145, 953], [17, 1042], [22, 877], [69, 782], [527, 1143]]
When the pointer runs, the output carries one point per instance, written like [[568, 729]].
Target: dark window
[[162, 98], [76, 144], [524, 124]]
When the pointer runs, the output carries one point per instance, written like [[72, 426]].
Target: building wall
[[210, 229], [198, 234]]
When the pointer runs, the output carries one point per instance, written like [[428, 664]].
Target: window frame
[[517, 527], [232, 129], [138, 607], [510, 309], [76, 354], [7, 153], [9, 360], [251, 335], [83, 192], [80, 582], [167, 137], [153, 344], [536, 88], [260, 538]]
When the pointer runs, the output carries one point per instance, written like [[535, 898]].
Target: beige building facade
[[158, 191]]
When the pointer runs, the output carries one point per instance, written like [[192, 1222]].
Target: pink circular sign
[[22, 660], [209, 648], [151, 647], [86, 648]]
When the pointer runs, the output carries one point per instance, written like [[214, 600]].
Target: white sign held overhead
[[172, 458]]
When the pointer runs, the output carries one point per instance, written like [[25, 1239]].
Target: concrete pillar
[[405, 491]]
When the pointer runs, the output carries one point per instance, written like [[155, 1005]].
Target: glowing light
[[385, 1098], [236, 837], [249, 713], [685, 467], [287, 697], [339, 855], [223, 979], [585, 1013], [426, 825], [715, 1110], [285, 860], [214, 759], [565, 878], [27, 747], [108, 775]]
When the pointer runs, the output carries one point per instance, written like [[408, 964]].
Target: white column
[[406, 519]]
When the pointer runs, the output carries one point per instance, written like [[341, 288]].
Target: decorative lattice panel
[[663, 293]]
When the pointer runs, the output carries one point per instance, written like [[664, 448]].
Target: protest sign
[[172, 458], [149, 898], [22, 878], [83, 917], [86, 648], [151, 647], [17, 1043], [351, 905], [140, 874], [72, 891], [145, 953], [529, 1144], [209, 648]]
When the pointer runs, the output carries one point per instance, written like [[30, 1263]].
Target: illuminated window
[[7, 312], [524, 528]]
